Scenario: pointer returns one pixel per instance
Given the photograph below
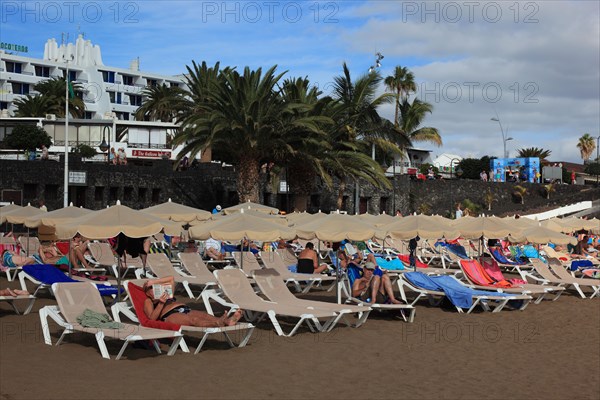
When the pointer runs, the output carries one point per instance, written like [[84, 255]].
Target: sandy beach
[[548, 351]]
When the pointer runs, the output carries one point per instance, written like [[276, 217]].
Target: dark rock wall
[[206, 185]]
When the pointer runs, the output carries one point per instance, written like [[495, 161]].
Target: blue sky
[[534, 64]]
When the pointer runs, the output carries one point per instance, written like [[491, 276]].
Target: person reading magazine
[[167, 308]]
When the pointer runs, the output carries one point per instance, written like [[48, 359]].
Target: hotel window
[[152, 82], [88, 115], [118, 99], [128, 80], [135, 100], [42, 71], [108, 76], [3, 105], [72, 75], [20, 88], [111, 96], [13, 67]]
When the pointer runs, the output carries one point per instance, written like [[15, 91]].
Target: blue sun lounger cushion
[[49, 274]]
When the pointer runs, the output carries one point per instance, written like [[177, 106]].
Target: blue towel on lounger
[[49, 274], [497, 254], [393, 264]]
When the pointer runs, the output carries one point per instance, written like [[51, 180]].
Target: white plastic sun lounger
[[240, 293], [74, 298]]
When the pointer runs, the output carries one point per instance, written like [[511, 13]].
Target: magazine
[[158, 291]]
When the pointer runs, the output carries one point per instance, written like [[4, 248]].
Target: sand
[[548, 351]]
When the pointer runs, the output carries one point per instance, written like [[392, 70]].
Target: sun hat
[[218, 208], [369, 265]]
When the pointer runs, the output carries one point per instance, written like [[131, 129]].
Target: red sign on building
[[150, 153]]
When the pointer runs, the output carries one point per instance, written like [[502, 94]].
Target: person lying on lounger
[[374, 286], [13, 292], [170, 310], [50, 254], [11, 259]]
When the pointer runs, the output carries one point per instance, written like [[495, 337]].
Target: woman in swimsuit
[[170, 310]]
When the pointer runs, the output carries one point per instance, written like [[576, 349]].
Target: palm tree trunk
[[396, 121], [341, 192], [248, 179]]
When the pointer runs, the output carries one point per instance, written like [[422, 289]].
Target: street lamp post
[[66, 179], [597, 158], [451, 177], [105, 146], [504, 135]]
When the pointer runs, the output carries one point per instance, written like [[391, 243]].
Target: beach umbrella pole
[[69, 256]]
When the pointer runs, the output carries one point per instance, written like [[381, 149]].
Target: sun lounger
[[74, 298], [197, 268], [246, 261], [161, 267], [104, 255], [29, 245], [240, 293], [134, 310], [45, 275], [273, 260], [557, 275], [476, 276], [11, 301], [461, 296], [272, 285]]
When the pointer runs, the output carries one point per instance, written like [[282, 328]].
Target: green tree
[[549, 188], [54, 89], [489, 198], [586, 146], [242, 117], [27, 137], [401, 83], [357, 127], [162, 103], [520, 192], [411, 118], [34, 106], [542, 154]]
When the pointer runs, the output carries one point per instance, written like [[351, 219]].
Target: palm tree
[[162, 103], [35, 106], [549, 188], [489, 198], [542, 154], [412, 116], [586, 146], [54, 89], [520, 193], [401, 83], [243, 117], [358, 126]]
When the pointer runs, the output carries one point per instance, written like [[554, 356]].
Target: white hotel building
[[111, 97]]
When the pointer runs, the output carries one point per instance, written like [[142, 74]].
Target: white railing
[[570, 209]]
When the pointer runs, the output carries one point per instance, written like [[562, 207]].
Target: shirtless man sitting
[[308, 261], [374, 287]]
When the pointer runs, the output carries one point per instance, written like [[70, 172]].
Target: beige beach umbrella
[[378, 220], [18, 216], [475, 228], [521, 223], [6, 210], [241, 226], [423, 226], [251, 206], [296, 219], [51, 218], [109, 222], [579, 224], [541, 235], [337, 227], [557, 225], [177, 212]]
